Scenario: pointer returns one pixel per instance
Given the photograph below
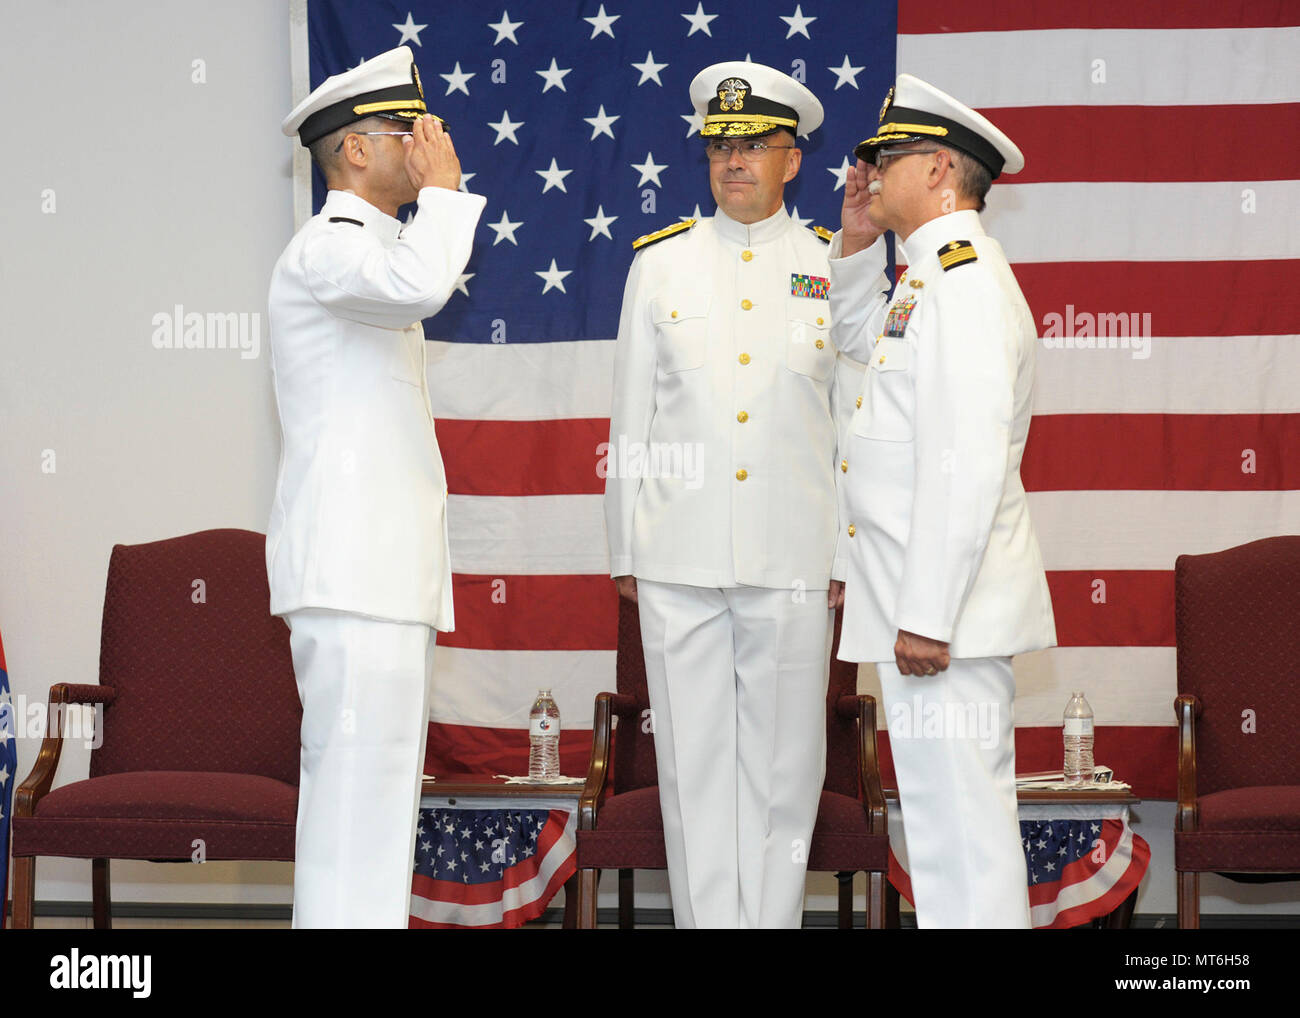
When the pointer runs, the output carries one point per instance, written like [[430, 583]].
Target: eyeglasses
[[883, 155], [720, 151], [339, 146]]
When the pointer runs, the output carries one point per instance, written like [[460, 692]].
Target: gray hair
[[324, 150], [973, 178]]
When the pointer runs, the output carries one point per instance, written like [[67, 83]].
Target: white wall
[[165, 192], [170, 192]]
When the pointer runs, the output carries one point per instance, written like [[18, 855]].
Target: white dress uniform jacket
[[724, 370], [359, 518], [943, 544]]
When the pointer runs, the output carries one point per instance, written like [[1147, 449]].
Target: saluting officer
[[721, 513], [945, 579], [356, 548]]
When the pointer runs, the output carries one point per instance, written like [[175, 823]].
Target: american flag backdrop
[[1159, 198]]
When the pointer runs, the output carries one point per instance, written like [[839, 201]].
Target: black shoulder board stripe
[[957, 252], [825, 234], [664, 234], [345, 219]]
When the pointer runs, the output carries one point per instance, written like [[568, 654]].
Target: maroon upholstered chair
[[1237, 622], [625, 831], [200, 720]]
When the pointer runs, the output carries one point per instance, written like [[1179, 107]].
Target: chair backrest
[[1237, 624], [841, 732], [634, 751], [634, 747], [203, 672]]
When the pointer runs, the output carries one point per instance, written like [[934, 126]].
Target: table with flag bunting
[[1162, 150]]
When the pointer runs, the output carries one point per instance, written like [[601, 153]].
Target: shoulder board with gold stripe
[[957, 252], [664, 234], [825, 234]]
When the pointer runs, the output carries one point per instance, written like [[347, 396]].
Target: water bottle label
[[1078, 726], [544, 726]]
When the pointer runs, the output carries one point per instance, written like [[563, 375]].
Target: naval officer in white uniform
[[356, 547], [945, 579], [720, 506]]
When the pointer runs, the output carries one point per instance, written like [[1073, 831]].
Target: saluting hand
[[859, 231], [430, 156]]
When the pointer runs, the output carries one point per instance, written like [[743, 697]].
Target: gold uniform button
[[742, 417], [746, 304], [844, 466], [859, 402], [882, 358], [747, 255], [744, 358], [820, 344], [852, 530], [821, 321], [741, 474], [674, 315]]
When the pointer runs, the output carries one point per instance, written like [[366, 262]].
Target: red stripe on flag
[[1149, 143], [1183, 298], [925, 18], [1145, 756], [522, 457], [534, 613], [1136, 610], [1162, 452], [474, 749]]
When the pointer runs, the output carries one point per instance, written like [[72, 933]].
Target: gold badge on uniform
[[415, 77], [732, 92]]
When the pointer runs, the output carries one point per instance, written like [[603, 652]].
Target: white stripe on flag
[[468, 684], [1149, 529], [1181, 375], [513, 535], [1124, 686], [521, 381], [1059, 67], [1149, 222]]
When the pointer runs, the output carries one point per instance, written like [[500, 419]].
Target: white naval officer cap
[[738, 98], [385, 86], [915, 110]]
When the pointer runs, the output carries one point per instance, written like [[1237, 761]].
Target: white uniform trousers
[[737, 681], [364, 687], [952, 737]]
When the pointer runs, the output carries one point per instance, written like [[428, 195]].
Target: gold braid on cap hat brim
[[738, 125]]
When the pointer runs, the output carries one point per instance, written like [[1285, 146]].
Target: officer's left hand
[[835, 596], [919, 655]]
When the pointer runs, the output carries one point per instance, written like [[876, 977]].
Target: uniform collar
[[349, 204], [926, 239], [765, 230]]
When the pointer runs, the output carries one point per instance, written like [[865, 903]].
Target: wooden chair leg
[[626, 900], [877, 910], [845, 910], [571, 902], [24, 891], [1189, 901], [587, 882], [893, 921], [102, 905]]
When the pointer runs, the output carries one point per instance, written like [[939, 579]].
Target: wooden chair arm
[[37, 784], [1187, 708], [598, 765], [869, 767]]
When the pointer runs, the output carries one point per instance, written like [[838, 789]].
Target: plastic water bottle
[[544, 738], [1078, 741]]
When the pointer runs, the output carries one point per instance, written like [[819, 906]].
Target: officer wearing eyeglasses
[[722, 513], [356, 545], [945, 579]]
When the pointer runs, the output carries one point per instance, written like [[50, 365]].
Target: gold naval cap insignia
[[732, 92], [889, 101]]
